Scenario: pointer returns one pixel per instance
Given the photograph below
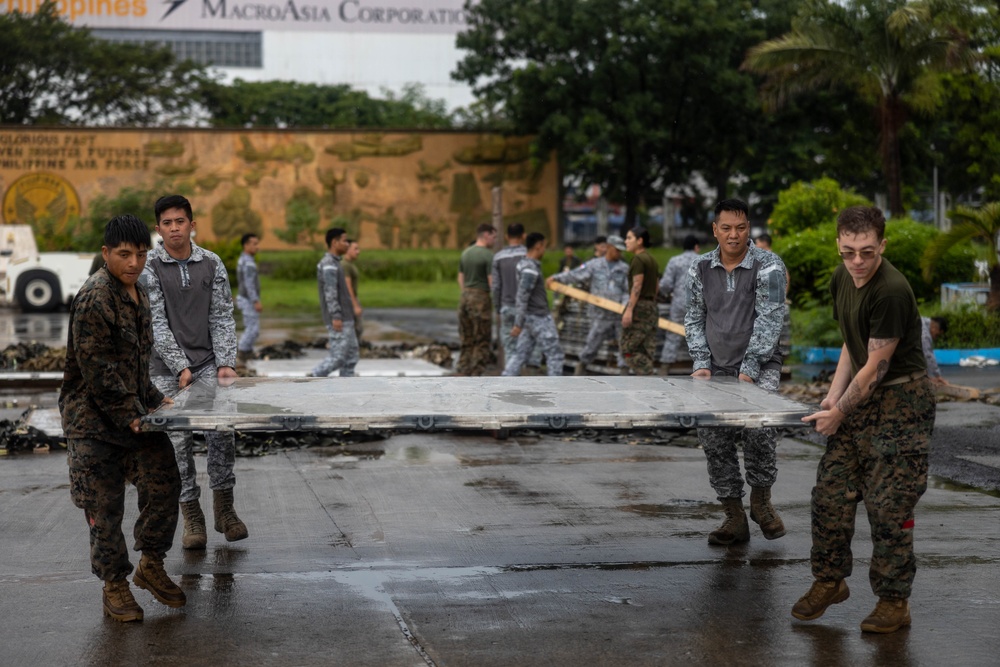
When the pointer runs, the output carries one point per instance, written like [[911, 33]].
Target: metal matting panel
[[484, 403]]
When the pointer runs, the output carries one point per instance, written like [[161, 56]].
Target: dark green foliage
[[970, 327], [810, 257], [906, 241], [809, 205], [52, 73]]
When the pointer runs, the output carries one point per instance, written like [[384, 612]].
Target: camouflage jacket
[[106, 383], [504, 271], [676, 282], [334, 299], [734, 318], [247, 280], [531, 297], [606, 279], [193, 324]]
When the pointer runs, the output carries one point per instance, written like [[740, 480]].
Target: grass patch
[[302, 295]]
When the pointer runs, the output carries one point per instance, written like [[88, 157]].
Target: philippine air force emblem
[[36, 197]]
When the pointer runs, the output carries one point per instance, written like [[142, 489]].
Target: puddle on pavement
[[944, 484], [676, 509], [505, 486], [532, 399]]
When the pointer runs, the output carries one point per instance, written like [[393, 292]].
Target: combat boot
[[735, 528], [889, 615], [821, 595], [581, 368], [763, 514], [119, 603], [151, 576], [194, 536], [226, 521]]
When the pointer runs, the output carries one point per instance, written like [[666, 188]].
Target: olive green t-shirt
[[351, 273], [643, 264], [883, 308], [475, 265]]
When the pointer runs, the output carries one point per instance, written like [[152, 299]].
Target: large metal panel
[[486, 403]]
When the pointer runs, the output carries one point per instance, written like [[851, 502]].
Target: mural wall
[[392, 190]]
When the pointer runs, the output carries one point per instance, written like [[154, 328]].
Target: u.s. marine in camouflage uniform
[[106, 390], [195, 339], [336, 306], [475, 311], [878, 416], [533, 323], [638, 341], [733, 322], [608, 278]]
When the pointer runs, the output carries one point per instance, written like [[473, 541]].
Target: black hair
[[484, 229], [534, 238], [732, 206], [172, 201], [600, 239], [641, 233], [246, 237], [334, 233], [690, 242], [126, 229], [515, 230], [861, 220], [765, 237], [350, 241], [941, 322]]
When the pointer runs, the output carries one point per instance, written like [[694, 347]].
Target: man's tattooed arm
[[869, 377]]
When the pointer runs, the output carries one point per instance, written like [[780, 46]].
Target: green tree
[[969, 224], [623, 89], [889, 51], [293, 104], [52, 73], [808, 205]]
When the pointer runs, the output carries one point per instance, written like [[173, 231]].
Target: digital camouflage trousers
[[638, 343], [220, 445], [878, 457], [475, 321], [759, 458], [98, 474]]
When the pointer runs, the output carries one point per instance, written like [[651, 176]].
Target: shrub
[[228, 251], [810, 257], [906, 241], [969, 327], [810, 205]]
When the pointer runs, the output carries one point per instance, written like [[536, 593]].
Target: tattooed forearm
[[851, 398], [878, 343], [880, 371]]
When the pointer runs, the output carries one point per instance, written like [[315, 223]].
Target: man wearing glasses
[[878, 416]]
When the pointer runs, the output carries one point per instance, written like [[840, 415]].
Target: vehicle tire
[[38, 292]]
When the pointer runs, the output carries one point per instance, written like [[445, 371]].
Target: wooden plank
[[484, 403], [608, 304], [958, 391]]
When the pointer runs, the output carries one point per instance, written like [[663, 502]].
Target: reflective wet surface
[[458, 549]]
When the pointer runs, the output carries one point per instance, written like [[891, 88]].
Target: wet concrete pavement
[[457, 549]]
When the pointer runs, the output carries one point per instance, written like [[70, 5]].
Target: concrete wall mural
[[392, 190]]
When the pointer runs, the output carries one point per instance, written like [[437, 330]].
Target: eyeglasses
[[849, 255]]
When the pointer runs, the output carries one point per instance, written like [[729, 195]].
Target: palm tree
[[889, 51], [969, 224]]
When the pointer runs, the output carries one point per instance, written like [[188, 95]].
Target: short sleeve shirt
[[884, 307], [475, 265], [643, 264]]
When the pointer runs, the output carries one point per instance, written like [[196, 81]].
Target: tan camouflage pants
[[475, 324], [878, 457]]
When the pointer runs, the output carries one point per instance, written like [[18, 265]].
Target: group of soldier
[[878, 414], [154, 319]]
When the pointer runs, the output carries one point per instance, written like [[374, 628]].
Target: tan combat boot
[[889, 615], [151, 576], [735, 528], [763, 514], [821, 595], [194, 536], [581, 369], [119, 603], [226, 521]]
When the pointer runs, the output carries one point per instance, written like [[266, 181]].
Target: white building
[[371, 45]]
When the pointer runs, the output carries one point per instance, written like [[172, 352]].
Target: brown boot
[[889, 615], [194, 536], [735, 528], [226, 521], [119, 603], [763, 514], [821, 595], [581, 369], [151, 576]]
